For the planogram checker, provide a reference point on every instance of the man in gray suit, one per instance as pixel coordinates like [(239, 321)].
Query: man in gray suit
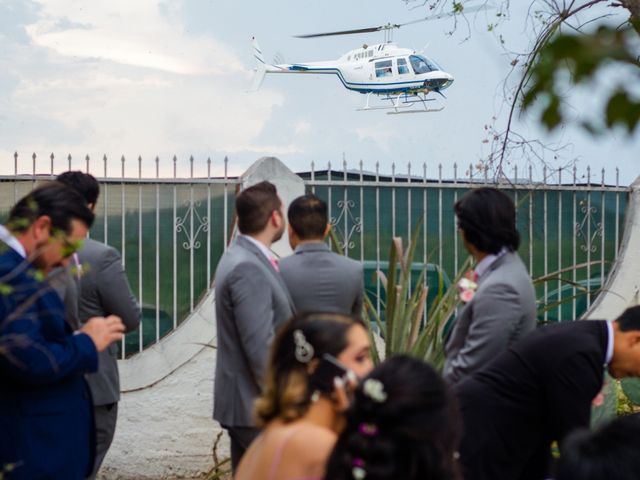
[(503, 307), (103, 289), (318, 279), (251, 302)]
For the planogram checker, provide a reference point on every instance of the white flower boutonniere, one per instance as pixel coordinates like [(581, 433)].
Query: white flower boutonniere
[(468, 286)]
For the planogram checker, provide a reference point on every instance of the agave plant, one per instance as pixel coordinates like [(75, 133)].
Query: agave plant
[(405, 328)]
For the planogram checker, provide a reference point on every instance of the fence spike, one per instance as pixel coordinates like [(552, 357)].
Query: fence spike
[(69, 161), (51, 157), (157, 166), (104, 161)]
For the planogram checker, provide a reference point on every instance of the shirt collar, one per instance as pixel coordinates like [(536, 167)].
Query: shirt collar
[(609, 356), (10, 240), (486, 262), (261, 246)]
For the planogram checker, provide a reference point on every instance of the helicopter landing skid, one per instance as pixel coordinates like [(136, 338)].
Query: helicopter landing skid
[(403, 103)]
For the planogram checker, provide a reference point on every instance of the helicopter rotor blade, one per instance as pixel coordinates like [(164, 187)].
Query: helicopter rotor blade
[(391, 26), (348, 32)]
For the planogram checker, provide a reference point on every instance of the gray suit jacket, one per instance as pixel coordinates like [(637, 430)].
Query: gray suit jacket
[(251, 303), (322, 281), (104, 290), (502, 310)]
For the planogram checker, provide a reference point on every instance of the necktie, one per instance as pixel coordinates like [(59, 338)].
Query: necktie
[(274, 262)]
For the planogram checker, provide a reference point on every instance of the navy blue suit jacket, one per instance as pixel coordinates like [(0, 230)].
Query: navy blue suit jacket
[(46, 423)]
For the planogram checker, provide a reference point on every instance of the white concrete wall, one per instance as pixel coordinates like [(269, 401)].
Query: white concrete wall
[(165, 426), (622, 289)]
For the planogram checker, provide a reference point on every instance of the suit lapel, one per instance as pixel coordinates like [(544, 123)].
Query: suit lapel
[(247, 245)]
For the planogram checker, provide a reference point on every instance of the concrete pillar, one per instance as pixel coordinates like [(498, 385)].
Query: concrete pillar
[(289, 185), (622, 289)]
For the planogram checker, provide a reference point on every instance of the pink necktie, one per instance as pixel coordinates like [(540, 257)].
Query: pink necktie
[(274, 262)]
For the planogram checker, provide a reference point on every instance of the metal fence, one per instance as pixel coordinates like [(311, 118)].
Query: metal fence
[(570, 228), (171, 231)]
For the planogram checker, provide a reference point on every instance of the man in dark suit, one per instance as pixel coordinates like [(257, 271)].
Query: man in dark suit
[(46, 424), (318, 279), (503, 308), (538, 391), (251, 302), (103, 289)]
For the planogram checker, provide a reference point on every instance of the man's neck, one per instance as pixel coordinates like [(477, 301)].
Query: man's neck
[(264, 238), (311, 240), (479, 256)]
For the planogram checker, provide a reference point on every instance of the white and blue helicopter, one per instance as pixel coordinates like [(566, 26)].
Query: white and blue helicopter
[(400, 76)]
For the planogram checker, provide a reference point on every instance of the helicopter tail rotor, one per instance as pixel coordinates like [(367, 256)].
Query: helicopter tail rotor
[(261, 66)]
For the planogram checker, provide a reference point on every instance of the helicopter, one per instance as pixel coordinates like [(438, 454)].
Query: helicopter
[(398, 75)]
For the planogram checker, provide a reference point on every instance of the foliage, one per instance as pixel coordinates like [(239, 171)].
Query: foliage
[(405, 329), (541, 68), (631, 389), (605, 404), (583, 56)]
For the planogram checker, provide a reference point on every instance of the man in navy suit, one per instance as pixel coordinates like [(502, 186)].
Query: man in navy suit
[(46, 424), (538, 391)]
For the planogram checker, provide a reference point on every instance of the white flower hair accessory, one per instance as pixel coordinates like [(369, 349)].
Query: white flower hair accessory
[(374, 389), (304, 350)]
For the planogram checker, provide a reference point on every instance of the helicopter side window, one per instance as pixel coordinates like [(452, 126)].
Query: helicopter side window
[(383, 69), (402, 66)]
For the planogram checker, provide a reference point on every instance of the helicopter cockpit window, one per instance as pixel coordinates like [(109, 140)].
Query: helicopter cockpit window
[(383, 69), (422, 64), (402, 66)]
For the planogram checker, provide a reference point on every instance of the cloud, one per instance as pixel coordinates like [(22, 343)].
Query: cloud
[(380, 135), (302, 127), (139, 34), (124, 78)]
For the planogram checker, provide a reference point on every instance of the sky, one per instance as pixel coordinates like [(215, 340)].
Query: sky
[(162, 78)]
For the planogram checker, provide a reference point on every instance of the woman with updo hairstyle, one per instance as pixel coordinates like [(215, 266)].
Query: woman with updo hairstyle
[(300, 422), (403, 424)]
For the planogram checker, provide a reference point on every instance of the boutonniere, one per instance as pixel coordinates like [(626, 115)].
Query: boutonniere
[(468, 286)]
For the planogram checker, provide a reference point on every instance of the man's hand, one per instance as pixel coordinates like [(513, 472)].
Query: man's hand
[(104, 330)]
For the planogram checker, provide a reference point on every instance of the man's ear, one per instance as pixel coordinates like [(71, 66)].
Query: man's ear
[(327, 229), (633, 338), (41, 228)]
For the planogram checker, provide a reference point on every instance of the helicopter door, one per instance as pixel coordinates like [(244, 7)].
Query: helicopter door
[(384, 69), (402, 66)]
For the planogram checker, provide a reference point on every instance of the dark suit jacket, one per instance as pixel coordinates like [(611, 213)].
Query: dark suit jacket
[(536, 392), (46, 424), (322, 281), (502, 311), (251, 303), (104, 290)]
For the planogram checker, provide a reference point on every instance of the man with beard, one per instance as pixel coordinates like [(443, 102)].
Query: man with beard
[(46, 425), (251, 303)]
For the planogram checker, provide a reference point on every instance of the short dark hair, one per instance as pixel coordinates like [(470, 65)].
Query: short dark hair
[(54, 199), (630, 319), (609, 452), (254, 206), (308, 217), (488, 218), (411, 434), (84, 183)]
